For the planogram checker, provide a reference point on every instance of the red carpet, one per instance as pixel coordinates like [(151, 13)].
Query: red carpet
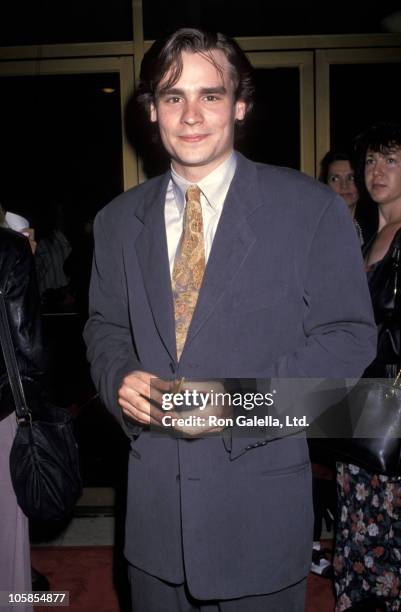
[(319, 595), (86, 572)]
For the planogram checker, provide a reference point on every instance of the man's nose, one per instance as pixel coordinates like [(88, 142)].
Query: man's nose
[(192, 113)]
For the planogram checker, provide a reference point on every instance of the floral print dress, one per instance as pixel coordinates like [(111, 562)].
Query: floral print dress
[(367, 560)]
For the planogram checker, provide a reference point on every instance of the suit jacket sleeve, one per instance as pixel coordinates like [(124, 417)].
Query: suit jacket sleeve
[(339, 329), (107, 332), (340, 332)]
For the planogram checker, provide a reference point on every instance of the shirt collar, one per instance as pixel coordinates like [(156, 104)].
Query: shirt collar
[(214, 186)]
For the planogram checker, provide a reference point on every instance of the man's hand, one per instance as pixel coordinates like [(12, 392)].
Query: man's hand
[(140, 397), (219, 409)]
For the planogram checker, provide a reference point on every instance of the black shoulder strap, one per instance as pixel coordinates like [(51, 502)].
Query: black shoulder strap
[(396, 243), (396, 259), (21, 409)]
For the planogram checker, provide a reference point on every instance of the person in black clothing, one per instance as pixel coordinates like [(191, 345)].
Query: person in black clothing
[(368, 544), (18, 283)]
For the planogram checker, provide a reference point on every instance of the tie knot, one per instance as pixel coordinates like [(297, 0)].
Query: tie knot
[(192, 194)]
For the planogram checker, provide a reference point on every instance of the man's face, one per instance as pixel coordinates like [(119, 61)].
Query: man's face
[(196, 116), (341, 179), (383, 175)]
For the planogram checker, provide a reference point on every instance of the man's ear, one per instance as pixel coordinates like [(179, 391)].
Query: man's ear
[(153, 112), (240, 110)]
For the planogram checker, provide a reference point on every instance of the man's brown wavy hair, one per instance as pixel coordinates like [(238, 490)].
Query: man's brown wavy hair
[(166, 55)]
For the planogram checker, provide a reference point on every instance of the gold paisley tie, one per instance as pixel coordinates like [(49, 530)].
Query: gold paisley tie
[(189, 266)]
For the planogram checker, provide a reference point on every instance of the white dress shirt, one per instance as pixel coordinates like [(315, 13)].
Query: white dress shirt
[(214, 188)]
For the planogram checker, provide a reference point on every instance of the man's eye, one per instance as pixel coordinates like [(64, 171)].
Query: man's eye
[(391, 160), (369, 161), (351, 178), (333, 179), (173, 100), (211, 98)]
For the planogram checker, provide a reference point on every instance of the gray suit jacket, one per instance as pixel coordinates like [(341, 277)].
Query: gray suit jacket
[(284, 295)]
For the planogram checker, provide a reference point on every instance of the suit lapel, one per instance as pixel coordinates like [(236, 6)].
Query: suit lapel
[(233, 240), (152, 253)]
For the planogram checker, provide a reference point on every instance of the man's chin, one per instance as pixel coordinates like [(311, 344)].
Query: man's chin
[(192, 160)]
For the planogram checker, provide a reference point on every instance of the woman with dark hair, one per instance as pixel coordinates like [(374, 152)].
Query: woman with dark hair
[(367, 558), (18, 283), (337, 171)]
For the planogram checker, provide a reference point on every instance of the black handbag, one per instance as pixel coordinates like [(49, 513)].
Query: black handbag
[(372, 408), (44, 462)]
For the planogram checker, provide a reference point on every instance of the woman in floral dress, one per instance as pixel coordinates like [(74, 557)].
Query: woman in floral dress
[(367, 560)]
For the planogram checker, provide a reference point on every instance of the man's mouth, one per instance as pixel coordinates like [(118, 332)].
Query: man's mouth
[(193, 137)]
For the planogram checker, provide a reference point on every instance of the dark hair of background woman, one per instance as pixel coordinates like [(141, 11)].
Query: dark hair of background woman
[(366, 211), (379, 137)]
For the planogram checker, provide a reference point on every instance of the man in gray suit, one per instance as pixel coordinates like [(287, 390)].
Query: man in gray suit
[(221, 268)]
